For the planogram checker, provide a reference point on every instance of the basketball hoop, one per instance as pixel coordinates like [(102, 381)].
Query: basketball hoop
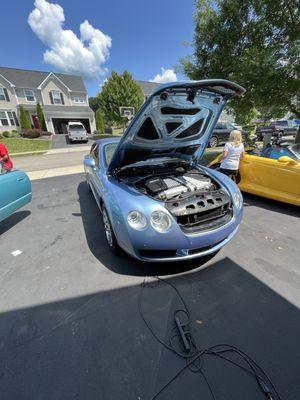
[(127, 112)]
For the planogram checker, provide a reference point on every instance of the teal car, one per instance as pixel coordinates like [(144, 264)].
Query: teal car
[(15, 192)]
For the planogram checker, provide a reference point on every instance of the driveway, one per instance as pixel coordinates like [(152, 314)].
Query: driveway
[(62, 141), (69, 321)]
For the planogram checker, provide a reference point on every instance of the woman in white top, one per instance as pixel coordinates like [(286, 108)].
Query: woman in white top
[(233, 151)]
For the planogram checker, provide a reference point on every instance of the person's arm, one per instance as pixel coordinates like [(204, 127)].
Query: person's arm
[(3, 154), (225, 151)]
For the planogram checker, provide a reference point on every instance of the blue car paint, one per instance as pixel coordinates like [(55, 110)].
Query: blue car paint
[(15, 192), (119, 199)]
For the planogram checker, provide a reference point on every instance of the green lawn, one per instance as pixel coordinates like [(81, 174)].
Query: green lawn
[(16, 145), (210, 154)]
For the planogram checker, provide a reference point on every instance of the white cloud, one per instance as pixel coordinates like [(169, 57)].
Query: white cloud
[(167, 75), (84, 55)]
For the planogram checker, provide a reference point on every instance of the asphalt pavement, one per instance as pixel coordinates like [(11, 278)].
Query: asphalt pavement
[(69, 321)]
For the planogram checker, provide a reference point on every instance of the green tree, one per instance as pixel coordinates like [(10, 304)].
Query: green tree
[(94, 103), (41, 118), (255, 43), (119, 90), (24, 121), (100, 125)]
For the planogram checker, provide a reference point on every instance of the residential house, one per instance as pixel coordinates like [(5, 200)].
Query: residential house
[(63, 98)]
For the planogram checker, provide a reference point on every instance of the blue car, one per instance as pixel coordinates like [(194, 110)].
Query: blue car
[(15, 192), (157, 202)]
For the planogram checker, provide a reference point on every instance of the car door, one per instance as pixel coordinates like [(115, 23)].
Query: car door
[(15, 192), (269, 177)]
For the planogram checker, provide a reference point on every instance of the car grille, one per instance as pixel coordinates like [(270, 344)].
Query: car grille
[(202, 212)]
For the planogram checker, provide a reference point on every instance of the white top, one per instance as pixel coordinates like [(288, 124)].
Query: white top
[(232, 160)]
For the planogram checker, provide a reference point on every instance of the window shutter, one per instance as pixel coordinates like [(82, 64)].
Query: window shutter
[(15, 118), (51, 98), (62, 98), (6, 94)]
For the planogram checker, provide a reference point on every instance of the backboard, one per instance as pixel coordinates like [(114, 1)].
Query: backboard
[(127, 112)]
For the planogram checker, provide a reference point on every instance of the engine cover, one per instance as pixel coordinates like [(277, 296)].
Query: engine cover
[(171, 186)]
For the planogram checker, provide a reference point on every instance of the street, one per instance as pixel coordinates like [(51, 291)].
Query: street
[(70, 326)]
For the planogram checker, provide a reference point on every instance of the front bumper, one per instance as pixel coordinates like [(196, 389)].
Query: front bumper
[(201, 253)]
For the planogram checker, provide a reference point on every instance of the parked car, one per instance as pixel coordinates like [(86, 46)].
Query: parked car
[(157, 202), (278, 129), (273, 172), (221, 133), (77, 132), (15, 192)]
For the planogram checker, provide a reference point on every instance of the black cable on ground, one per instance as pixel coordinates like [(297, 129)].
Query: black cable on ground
[(182, 343)]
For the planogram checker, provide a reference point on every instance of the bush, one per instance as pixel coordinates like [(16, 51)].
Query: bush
[(31, 133), (6, 134)]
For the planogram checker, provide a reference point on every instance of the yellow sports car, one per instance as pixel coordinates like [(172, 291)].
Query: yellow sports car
[(273, 172)]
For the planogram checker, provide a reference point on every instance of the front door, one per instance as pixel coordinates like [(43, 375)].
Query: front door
[(269, 177), (35, 122)]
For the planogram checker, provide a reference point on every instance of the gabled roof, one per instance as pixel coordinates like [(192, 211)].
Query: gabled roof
[(147, 87), (32, 79)]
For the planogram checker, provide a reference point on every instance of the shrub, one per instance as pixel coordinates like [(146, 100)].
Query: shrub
[(31, 133), (41, 117), (6, 134), (99, 121), (24, 121)]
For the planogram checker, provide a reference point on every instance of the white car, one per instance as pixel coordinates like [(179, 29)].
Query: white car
[(77, 132)]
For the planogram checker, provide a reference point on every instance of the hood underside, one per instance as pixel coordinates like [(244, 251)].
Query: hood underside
[(175, 121)]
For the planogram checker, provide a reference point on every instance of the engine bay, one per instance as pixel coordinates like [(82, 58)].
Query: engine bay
[(195, 200)]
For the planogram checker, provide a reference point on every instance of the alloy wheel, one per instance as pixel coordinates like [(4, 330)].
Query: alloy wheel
[(107, 228)]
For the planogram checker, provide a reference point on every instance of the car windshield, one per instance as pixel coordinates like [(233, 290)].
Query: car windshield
[(274, 152), (109, 150), (296, 150), (77, 126)]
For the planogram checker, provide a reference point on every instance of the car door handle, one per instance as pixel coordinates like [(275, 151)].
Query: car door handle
[(21, 179)]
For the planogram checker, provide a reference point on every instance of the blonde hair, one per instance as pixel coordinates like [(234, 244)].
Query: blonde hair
[(235, 137)]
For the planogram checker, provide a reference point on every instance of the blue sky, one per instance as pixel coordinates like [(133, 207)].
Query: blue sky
[(139, 35)]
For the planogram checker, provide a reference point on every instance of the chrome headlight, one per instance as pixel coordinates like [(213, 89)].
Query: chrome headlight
[(137, 220), (237, 199), (161, 221)]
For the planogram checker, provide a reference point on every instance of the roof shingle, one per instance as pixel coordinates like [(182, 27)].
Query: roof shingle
[(32, 79)]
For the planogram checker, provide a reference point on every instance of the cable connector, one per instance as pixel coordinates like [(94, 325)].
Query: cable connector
[(265, 388)]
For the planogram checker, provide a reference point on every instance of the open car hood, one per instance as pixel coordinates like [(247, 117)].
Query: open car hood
[(175, 121)]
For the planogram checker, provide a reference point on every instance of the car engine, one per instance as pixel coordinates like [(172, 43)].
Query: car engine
[(195, 200), (171, 186)]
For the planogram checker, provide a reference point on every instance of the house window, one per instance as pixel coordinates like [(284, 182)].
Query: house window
[(3, 118), (2, 95), (56, 97), (29, 95), (79, 100), (8, 118), (11, 118)]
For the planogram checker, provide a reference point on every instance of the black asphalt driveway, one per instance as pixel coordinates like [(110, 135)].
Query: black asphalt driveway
[(69, 321)]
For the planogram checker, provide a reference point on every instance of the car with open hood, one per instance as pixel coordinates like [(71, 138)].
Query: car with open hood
[(157, 202)]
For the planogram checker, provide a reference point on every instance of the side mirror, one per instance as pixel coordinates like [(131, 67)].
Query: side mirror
[(89, 162), (287, 160)]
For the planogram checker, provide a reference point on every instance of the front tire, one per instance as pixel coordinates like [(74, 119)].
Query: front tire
[(109, 233), (213, 141)]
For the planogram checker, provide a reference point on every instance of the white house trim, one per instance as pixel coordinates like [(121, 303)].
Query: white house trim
[(52, 74), (11, 84)]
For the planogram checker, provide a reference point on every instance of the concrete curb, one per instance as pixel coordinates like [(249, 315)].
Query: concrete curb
[(50, 173), (53, 151)]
